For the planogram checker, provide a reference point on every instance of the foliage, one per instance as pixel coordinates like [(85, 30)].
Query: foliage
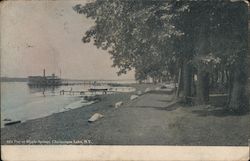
[(157, 38), (136, 33)]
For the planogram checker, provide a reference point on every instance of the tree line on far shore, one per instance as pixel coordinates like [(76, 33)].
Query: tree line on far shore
[(202, 45)]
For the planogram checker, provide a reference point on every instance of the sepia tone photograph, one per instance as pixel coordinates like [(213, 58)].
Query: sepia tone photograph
[(125, 72)]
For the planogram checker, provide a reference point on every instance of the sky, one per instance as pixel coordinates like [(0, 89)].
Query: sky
[(47, 34)]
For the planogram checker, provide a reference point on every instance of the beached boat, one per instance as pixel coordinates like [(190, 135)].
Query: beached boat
[(12, 123)]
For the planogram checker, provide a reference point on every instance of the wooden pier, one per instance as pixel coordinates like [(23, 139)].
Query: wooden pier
[(70, 92), (92, 90), (104, 91)]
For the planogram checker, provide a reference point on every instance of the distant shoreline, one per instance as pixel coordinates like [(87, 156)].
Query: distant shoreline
[(13, 79), (24, 79)]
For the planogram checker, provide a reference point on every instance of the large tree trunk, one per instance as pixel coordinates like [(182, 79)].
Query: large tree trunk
[(202, 87), (187, 82), (238, 99), (203, 47)]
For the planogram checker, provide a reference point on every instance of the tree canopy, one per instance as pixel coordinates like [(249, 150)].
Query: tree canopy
[(135, 33), (160, 38)]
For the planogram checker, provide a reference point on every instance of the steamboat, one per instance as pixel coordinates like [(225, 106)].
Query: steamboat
[(44, 80)]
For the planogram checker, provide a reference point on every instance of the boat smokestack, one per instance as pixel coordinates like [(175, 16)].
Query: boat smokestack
[(43, 72)]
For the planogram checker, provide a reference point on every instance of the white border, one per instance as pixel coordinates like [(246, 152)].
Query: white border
[(129, 153)]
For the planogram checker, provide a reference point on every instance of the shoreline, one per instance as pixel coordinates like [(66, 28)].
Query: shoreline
[(105, 105), (75, 102), (147, 120)]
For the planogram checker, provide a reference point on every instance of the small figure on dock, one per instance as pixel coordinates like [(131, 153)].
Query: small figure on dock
[(43, 92), (71, 89)]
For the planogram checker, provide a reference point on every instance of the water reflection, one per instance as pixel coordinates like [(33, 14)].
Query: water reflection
[(20, 102), (43, 89)]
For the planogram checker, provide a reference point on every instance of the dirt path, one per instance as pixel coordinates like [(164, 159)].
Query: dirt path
[(147, 121)]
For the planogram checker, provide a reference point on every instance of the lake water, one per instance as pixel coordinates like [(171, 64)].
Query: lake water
[(20, 102)]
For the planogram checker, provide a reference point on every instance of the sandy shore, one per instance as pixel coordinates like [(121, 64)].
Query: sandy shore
[(65, 125), (147, 120)]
